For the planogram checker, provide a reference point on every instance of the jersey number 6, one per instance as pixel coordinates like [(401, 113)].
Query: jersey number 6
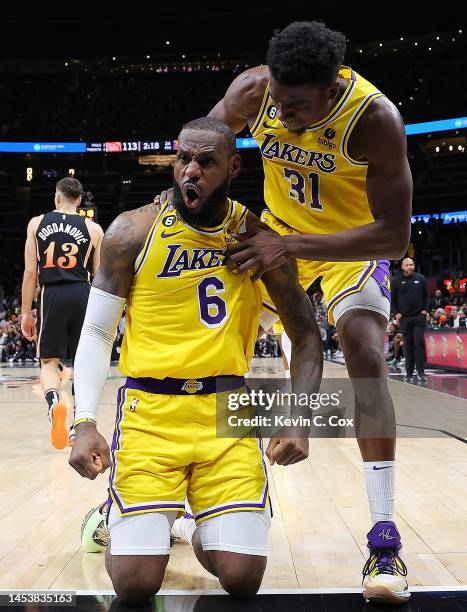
[(212, 308)]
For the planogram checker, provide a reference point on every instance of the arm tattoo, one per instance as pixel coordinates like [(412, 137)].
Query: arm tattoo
[(119, 250)]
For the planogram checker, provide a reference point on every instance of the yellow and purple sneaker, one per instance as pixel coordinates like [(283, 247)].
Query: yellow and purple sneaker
[(385, 574)]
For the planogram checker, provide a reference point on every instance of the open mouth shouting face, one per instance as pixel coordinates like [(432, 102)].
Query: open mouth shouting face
[(192, 194), (205, 164)]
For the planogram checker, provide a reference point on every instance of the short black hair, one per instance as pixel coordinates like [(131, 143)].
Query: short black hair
[(71, 188), (214, 125), (306, 52)]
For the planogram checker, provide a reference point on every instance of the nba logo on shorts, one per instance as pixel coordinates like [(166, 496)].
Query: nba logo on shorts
[(133, 404), (192, 386)]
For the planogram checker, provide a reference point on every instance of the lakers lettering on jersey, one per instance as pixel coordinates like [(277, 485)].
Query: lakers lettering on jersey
[(187, 315), (311, 181), (64, 248)]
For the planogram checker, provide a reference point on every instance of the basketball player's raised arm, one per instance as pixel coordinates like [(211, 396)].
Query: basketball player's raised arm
[(242, 100), (120, 247), (28, 325)]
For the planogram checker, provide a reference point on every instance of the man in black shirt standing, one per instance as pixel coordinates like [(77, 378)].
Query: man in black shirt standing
[(61, 253), (410, 301)]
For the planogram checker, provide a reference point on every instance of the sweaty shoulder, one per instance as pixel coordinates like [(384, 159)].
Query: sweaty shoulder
[(128, 231), (120, 247), (380, 124), (252, 83), (242, 100), (382, 112)]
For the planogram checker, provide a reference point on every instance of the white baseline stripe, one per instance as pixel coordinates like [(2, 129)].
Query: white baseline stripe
[(318, 591)]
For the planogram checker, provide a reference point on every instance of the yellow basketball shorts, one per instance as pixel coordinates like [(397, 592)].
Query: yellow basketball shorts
[(339, 278), (165, 449)]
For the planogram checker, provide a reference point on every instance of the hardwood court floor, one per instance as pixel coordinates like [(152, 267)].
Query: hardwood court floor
[(320, 508)]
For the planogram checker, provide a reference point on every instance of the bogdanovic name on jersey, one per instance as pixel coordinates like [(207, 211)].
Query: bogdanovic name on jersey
[(55, 228), (272, 148), (180, 260)]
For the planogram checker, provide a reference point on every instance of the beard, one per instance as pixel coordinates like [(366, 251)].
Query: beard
[(212, 212)]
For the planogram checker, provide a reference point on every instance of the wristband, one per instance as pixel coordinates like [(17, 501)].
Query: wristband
[(75, 423)]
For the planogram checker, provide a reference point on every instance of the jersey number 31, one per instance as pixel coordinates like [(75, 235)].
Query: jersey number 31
[(297, 189)]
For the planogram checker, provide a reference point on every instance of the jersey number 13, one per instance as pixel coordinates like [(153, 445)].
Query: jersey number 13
[(65, 261)]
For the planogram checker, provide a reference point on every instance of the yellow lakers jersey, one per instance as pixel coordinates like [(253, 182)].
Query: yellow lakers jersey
[(187, 316), (311, 181)]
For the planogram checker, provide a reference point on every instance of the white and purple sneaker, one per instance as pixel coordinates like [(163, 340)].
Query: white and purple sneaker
[(385, 574)]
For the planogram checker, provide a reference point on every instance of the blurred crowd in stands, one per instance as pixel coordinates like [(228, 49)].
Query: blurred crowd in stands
[(132, 97), (447, 310), (439, 246), (105, 107), (14, 347)]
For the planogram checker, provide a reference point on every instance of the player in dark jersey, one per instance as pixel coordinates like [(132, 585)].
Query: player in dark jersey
[(61, 254)]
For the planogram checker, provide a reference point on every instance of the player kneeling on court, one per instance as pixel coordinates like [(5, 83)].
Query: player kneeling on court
[(190, 334)]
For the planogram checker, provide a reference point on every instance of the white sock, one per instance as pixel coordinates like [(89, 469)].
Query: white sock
[(50, 411), (52, 397), (379, 476), (184, 529)]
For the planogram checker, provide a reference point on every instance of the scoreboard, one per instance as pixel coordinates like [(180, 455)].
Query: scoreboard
[(115, 146), (138, 146)]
